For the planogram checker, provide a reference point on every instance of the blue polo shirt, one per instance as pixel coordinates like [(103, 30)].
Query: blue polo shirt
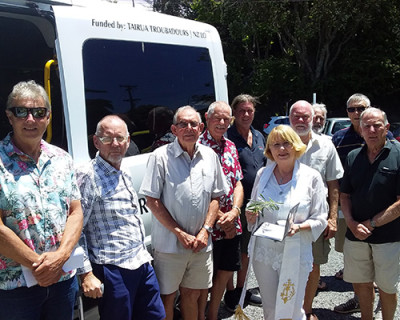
[(251, 158), (373, 187)]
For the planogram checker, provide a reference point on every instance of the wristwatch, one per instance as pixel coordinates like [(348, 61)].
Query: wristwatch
[(208, 228), (372, 223)]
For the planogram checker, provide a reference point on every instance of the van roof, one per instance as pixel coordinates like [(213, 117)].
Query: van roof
[(143, 4)]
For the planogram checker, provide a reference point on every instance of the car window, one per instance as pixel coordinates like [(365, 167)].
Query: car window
[(339, 125)]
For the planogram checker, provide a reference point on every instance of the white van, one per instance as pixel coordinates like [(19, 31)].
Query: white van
[(108, 58)]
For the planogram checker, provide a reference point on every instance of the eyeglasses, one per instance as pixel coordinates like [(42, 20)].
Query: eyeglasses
[(183, 124), (110, 140), (353, 109), (22, 112), (285, 144)]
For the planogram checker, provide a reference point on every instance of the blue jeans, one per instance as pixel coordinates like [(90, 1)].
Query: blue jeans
[(40, 303)]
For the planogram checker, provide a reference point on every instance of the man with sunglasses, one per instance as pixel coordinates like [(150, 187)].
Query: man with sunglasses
[(113, 232), (40, 214), (182, 185), (346, 140)]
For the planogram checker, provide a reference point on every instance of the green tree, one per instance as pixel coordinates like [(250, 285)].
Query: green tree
[(283, 50)]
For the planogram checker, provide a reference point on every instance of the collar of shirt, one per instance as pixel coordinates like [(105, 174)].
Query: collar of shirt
[(212, 142), (314, 140), (387, 146), (178, 151), (13, 151), (104, 166)]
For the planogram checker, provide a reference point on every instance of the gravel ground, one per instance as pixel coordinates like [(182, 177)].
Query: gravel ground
[(337, 293)]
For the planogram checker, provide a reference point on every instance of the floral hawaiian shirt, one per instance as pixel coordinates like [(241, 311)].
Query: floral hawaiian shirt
[(229, 158), (35, 200)]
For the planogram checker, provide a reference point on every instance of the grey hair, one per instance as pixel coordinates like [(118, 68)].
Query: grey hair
[(28, 90), (358, 97), (320, 106), (215, 104), (244, 98), (372, 110), (110, 117), (181, 109)]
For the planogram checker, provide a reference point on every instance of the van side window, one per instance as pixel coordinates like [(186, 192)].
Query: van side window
[(132, 78)]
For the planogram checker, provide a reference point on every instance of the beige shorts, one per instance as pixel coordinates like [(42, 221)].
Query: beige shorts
[(320, 250), (340, 234), (367, 262), (187, 270)]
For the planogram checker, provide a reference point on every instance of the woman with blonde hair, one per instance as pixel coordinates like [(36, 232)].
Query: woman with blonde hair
[(282, 267)]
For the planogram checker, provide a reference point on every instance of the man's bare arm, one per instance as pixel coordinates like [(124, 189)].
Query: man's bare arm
[(333, 198), (386, 216), (202, 237), (359, 230), (164, 217), (227, 220)]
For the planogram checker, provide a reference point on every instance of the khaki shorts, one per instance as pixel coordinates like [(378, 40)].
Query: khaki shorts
[(340, 234), (366, 262), (188, 270), (320, 250)]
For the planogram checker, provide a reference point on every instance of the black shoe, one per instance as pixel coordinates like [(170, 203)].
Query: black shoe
[(231, 299), (253, 297)]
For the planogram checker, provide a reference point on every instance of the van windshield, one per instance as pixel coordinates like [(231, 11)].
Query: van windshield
[(132, 78)]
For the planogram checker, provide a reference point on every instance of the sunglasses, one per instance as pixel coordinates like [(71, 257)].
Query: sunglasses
[(22, 112), (353, 109)]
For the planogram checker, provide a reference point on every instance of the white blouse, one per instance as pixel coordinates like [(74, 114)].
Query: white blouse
[(306, 188)]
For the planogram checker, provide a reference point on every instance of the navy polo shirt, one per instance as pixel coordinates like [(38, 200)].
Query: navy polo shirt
[(251, 158), (373, 187)]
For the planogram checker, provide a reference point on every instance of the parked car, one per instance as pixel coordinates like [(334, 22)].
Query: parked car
[(275, 121), (395, 128), (333, 125)]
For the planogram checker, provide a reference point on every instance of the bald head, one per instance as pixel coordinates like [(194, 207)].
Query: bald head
[(301, 117)]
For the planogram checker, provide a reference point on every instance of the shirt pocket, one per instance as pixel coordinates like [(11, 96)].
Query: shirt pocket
[(386, 176)]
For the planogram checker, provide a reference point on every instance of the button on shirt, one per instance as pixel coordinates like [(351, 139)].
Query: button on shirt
[(113, 231), (229, 159), (35, 199), (321, 155), (186, 187)]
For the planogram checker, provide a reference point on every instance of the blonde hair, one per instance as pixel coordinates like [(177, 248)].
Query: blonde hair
[(285, 133)]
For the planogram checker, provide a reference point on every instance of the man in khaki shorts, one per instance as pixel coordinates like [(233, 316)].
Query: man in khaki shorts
[(182, 185), (322, 156), (370, 200)]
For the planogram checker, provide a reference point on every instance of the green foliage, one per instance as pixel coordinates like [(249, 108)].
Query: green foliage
[(284, 50), (259, 205)]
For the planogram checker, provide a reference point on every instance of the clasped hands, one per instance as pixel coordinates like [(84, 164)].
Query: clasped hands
[(47, 269)]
